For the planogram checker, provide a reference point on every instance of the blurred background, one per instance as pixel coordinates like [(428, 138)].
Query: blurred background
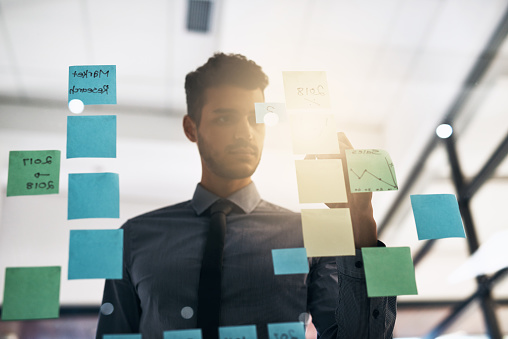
[(396, 70)]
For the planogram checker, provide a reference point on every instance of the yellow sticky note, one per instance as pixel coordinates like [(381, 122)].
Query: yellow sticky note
[(306, 90), (328, 232), (314, 134), (320, 180)]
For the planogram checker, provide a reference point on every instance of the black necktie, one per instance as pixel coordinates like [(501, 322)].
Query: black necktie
[(209, 292)]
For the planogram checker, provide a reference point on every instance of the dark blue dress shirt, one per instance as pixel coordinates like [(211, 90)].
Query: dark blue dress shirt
[(162, 258)]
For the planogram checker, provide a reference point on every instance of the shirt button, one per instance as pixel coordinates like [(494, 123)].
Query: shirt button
[(359, 264), (375, 314)]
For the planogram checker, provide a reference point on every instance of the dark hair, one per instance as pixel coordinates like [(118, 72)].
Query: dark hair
[(221, 69)]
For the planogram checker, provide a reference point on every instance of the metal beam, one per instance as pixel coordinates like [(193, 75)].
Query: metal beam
[(488, 169), (477, 72), (459, 308)]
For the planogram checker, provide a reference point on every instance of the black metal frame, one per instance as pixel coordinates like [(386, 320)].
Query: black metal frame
[(465, 190)]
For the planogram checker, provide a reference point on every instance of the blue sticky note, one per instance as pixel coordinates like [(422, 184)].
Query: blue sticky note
[(290, 261), (437, 216), (91, 136), (95, 84), (238, 332), (96, 254), (121, 336), (93, 195), (183, 334), (286, 330)]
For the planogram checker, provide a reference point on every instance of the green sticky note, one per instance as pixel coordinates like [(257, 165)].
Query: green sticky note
[(286, 330), (290, 261), (389, 271), (93, 195), (238, 332), (370, 170), (31, 293), (183, 334), (91, 136), (437, 216), (122, 336), (96, 254), (33, 172), (95, 84)]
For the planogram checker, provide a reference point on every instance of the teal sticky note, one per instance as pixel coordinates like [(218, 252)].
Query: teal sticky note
[(94, 84), (121, 336), (95, 254), (370, 170), (238, 332), (31, 293), (93, 195), (286, 330), (33, 172), (389, 271), (437, 216), (183, 334), (91, 136), (290, 261), (276, 112)]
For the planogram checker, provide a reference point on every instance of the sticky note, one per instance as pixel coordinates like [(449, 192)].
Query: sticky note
[(320, 180), (91, 136), (95, 254), (93, 85), (238, 332), (31, 293), (274, 110), (33, 173), (290, 261), (93, 195), (306, 90), (314, 134), (183, 334), (370, 170), (328, 232), (286, 330), (122, 336), (389, 271), (437, 216)]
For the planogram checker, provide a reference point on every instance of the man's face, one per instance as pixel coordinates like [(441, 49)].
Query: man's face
[(229, 140)]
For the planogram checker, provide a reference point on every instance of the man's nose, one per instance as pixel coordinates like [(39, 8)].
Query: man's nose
[(243, 129)]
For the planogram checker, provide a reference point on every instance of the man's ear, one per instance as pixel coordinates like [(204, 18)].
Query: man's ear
[(190, 129)]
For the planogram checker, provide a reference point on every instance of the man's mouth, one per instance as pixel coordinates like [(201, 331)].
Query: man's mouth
[(243, 150)]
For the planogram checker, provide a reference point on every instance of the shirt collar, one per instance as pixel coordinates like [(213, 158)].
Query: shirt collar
[(246, 198)]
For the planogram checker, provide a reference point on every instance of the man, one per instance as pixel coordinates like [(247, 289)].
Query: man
[(164, 249)]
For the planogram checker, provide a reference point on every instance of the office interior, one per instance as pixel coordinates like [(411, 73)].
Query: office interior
[(396, 69)]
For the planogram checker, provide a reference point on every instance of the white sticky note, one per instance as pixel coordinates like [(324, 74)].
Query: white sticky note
[(320, 180), (269, 110), (314, 134), (306, 90), (328, 232)]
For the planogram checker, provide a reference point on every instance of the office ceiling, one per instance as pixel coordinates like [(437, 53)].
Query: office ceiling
[(393, 66)]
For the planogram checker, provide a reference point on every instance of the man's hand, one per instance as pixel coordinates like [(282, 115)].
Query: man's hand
[(362, 214)]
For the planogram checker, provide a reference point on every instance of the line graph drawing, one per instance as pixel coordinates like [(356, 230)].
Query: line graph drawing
[(370, 170)]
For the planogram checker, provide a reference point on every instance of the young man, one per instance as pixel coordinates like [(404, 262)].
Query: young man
[(164, 249)]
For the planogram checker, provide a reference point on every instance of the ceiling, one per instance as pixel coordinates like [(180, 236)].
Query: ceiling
[(393, 66)]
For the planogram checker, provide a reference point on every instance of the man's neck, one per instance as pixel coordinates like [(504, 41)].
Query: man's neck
[(223, 187)]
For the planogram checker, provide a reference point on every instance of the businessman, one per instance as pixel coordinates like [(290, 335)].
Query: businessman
[(207, 262)]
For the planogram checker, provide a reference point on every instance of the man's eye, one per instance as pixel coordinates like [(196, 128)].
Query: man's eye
[(223, 119)]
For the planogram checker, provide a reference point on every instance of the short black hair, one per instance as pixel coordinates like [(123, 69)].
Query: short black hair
[(221, 69)]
